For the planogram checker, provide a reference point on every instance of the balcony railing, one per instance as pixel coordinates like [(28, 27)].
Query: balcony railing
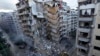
[(88, 27), (23, 13), (85, 19), (82, 47), (82, 53), (84, 30), (87, 6), (84, 39), (81, 0)]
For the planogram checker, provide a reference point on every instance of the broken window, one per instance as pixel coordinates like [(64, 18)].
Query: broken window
[(97, 37), (92, 11), (97, 48), (80, 12), (98, 0), (98, 26)]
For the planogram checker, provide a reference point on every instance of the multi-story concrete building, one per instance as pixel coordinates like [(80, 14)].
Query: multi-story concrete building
[(25, 17), (74, 18), (88, 33), (52, 16), (73, 22), (7, 23), (64, 19)]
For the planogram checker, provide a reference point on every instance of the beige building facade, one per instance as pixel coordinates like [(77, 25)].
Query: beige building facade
[(88, 33)]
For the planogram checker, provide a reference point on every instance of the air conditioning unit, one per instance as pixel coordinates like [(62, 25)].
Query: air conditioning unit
[(92, 26)]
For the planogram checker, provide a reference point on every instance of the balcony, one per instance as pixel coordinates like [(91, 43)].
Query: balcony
[(63, 29), (89, 6), (84, 39), (53, 21), (54, 30), (82, 47), (84, 30), (22, 6), (23, 13), (51, 8), (81, 0), (52, 16), (53, 26), (55, 35), (81, 53), (86, 19)]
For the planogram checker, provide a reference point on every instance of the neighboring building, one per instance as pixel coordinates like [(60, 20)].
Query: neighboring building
[(10, 24), (88, 32), (64, 11), (74, 20), (7, 23), (70, 21)]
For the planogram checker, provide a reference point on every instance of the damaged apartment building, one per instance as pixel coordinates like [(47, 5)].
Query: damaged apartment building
[(88, 33), (45, 21), (46, 14)]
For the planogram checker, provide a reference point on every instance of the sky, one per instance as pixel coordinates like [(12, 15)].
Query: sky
[(9, 5)]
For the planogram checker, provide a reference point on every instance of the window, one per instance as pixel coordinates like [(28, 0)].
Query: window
[(98, 0), (80, 12), (97, 37), (97, 48), (92, 11), (89, 1), (98, 26)]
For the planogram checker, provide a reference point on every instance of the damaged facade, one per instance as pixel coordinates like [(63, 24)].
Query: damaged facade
[(88, 32), (46, 22)]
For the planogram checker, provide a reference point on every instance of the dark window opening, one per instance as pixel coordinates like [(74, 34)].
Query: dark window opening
[(98, 0), (85, 34), (86, 14), (97, 48), (98, 26), (68, 11), (86, 24), (83, 51), (97, 37), (80, 12), (89, 1), (92, 11), (83, 43)]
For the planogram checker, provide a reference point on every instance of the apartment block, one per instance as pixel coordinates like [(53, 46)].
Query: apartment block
[(25, 17), (52, 16), (74, 18), (7, 23), (73, 22), (64, 11), (88, 32)]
